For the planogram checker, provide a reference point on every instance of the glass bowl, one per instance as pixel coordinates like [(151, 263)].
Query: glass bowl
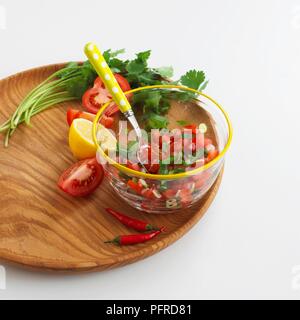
[(180, 188)]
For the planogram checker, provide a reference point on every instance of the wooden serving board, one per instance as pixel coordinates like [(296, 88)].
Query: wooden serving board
[(42, 227)]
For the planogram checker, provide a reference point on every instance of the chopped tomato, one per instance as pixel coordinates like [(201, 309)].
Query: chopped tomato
[(207, 142), (152, 168), (200, 179), (201, 176), (135, 186), (74, 114), (148, 193), (133, 166), (95, 97), (192, 127), (199, 183), (211, 155), (169, 194), (199, 163), (82, 178), (185, 197)]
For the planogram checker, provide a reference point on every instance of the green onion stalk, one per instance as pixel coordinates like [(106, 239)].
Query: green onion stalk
[(52, 91)]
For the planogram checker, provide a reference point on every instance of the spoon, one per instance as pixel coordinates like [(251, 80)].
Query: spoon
[(100, 65)]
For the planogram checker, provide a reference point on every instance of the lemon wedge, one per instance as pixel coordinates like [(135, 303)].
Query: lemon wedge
[(81, 142), (106, 139)]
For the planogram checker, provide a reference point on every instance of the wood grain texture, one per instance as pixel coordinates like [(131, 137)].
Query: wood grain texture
[(40, 226)]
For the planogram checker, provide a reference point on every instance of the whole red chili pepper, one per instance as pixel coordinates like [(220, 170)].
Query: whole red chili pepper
[(126, 240), (132, 223)]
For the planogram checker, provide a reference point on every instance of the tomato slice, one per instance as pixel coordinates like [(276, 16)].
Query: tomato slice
[(95, 97), (74, 114), (82, 178)]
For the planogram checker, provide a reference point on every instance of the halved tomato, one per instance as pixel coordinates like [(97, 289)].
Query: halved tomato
[(74, 114), (82, 178), (95, 97)]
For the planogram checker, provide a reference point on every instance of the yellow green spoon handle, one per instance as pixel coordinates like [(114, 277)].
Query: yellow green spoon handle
[(98, 62)]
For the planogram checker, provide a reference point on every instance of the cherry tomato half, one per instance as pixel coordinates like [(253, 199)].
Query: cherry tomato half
[(82, 178), (73, 114), (95, 97)]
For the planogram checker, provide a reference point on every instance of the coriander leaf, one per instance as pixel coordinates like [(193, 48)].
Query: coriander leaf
[(163, 184), (156, 121), (139, 97), (179, 170), (146, 77), (117, 52), (77, 87), (117, 65), (164, 105), (136, 66), (144, 55), (163, 169), (108, 54), (179, 95), (84, 79), (151, 103), (193, 79), (166, 72)]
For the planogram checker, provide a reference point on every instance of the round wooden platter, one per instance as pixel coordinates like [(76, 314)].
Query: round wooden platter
[(40, 226)]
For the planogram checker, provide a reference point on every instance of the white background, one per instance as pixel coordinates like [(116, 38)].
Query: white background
[(249, 241)]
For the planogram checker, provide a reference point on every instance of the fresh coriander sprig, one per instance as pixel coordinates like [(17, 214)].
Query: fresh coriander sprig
[(71, 82)]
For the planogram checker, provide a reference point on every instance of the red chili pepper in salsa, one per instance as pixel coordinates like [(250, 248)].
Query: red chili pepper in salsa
[(132, 223), (126, 240)]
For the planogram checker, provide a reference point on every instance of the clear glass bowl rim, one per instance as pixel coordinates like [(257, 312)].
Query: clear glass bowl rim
[(166, 176)]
